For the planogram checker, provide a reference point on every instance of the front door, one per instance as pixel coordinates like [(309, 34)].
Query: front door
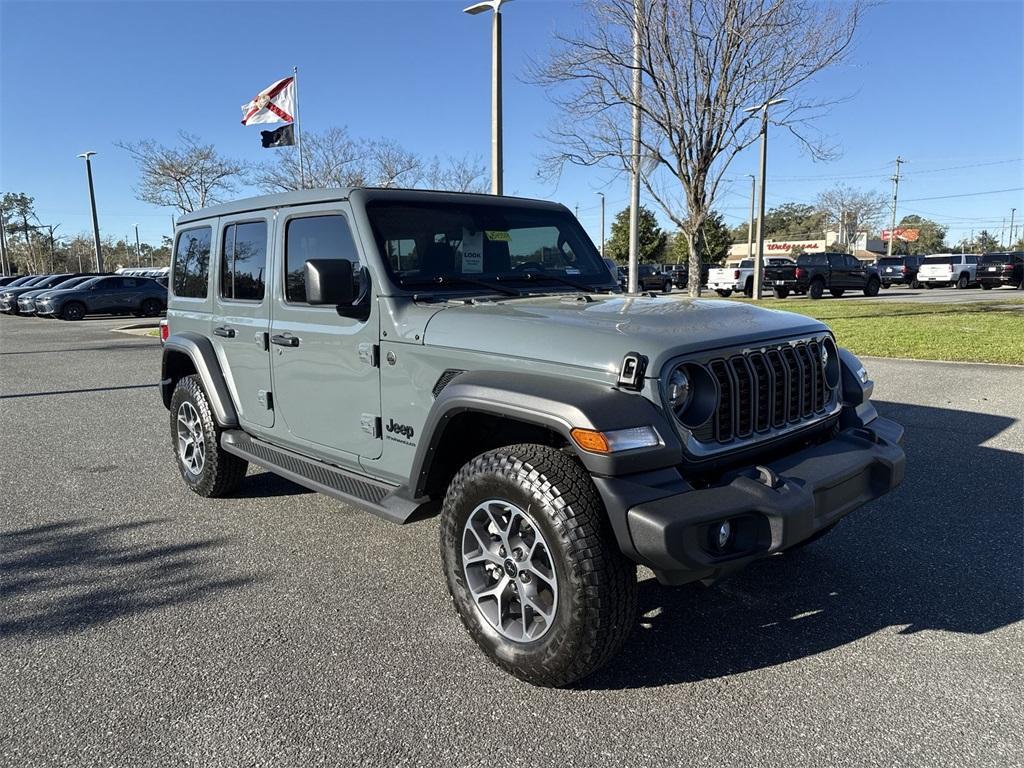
[(104, 294), (326, 383), (241, 315)]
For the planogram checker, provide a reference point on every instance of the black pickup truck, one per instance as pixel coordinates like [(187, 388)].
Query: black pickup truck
[(814, 273)]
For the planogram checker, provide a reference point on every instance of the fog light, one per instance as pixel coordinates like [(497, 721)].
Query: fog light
[(723, 534)]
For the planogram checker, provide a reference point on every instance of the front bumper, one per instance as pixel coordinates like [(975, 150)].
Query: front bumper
[(770, 507), (25, 308)]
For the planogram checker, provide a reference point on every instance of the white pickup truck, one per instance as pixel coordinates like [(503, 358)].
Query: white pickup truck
[(725, 280)]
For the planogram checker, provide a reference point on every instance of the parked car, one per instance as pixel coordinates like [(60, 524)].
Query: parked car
[(110, 295), (814, 273), (725, 280), (29, 302), (680, 275), (946, 269), (996, 269), (564, 432), (649, 277), (9, 297), (10, 279), (899, 270)]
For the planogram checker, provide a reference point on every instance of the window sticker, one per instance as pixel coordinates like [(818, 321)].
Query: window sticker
[(496, 235), (472, 250), (571, 271)]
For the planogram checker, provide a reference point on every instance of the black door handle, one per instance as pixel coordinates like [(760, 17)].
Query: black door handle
[(284, 340), (227, 333)]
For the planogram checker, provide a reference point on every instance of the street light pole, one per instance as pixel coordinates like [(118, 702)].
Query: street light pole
[(497, 169), (5, 261), (1013, 214), (601, 195), (138, 247), (759, 261), (634, 182), (750, 225), (92, 202)]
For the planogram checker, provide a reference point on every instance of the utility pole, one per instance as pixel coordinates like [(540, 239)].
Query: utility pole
[(92, 202), (634, 182), (759, 261), (577, 211), (601, 195), (750, 225), (895, 193), (138, 247), (1013, 215), (1002, 232)]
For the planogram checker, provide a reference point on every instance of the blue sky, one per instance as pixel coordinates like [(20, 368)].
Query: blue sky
[(940, 83)]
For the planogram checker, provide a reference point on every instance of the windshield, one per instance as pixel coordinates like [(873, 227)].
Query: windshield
[(87, 283), (463, 245), (70, 283)]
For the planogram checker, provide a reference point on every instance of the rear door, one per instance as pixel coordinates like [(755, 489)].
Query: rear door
[(324, 366), (241, 314), (103, 296)]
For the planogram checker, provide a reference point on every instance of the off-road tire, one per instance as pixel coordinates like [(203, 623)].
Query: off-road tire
[(816, 289), (73, 310), (222, 472), (780, 293), (724, 294), (837, 292), (597, 588), (871, 289)]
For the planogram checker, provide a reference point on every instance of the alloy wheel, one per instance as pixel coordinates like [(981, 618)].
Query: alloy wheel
[(509, 570), (191, 441)]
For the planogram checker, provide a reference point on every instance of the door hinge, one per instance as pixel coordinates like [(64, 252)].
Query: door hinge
[(265, 398), (369, 354), (370, 422)]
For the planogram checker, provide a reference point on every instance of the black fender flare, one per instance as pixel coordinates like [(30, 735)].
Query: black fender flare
[(199, 350), (555, 403)]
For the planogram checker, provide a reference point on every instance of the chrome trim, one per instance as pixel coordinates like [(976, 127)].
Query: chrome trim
[(703, 450)]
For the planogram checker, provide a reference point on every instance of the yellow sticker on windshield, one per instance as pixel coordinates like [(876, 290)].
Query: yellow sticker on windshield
[(499, 235)]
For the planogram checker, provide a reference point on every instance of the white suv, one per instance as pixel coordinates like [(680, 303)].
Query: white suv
[(946, 269)]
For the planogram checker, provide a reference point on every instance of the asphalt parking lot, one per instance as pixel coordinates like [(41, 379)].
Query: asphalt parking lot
[(142, 625)]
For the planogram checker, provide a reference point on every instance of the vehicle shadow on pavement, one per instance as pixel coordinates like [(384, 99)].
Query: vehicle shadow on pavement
[(71, 575), (266, 485), (941, 552)]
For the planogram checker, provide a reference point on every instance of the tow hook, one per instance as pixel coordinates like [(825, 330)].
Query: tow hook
[(768, 476)]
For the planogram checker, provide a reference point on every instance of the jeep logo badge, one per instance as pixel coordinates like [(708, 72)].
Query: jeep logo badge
[(400, 429)]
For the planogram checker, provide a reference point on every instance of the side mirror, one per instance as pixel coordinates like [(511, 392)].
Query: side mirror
[(329, 281)]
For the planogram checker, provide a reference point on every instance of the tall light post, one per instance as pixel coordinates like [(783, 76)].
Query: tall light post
[(750, 225), (634, 181), (138, 247), (496, 147), (601, 195), (92, 202), (759, 261)]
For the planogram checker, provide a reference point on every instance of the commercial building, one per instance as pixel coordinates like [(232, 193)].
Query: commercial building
[(865, 248)]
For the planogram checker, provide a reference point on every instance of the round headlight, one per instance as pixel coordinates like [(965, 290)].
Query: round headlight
[(678, 390), (830, 362)]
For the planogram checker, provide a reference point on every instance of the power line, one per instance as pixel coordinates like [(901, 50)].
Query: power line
[(965, 194)]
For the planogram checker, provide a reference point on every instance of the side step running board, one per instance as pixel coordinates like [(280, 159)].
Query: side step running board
[(387, 501)]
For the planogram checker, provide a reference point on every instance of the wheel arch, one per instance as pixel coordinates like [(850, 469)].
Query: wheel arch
[(480, 411), (187, 354)]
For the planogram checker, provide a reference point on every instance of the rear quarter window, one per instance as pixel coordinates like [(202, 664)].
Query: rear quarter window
[(192, 263)]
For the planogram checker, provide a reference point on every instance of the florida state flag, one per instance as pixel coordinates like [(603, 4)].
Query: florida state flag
[(275, 104)]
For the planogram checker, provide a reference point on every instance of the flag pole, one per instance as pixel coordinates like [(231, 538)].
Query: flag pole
[(298, 129)]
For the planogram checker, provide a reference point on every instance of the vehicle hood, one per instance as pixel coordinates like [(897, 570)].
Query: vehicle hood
[(13, 293), (598, 333)]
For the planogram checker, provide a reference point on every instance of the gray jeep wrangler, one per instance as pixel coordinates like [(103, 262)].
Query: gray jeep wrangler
[(415, 352)]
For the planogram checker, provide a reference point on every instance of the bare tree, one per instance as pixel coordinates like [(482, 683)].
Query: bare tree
[(852, 210), (702, 62), (18, 209), (332, 159), (188, 176), (391, 165), (457, 174)]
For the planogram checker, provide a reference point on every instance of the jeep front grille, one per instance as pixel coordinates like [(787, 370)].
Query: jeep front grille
[(763, 391)]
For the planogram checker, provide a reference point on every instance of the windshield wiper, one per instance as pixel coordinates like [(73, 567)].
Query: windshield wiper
[(535, 275), (453, 281)]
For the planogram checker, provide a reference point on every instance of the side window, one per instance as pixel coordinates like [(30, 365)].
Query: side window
[(243, 261), (192, 263), (972, 259), (129, 282), (853, 262), (315, 237), (109, 284)]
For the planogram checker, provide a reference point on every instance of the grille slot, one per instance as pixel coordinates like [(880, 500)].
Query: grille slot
[(762, 390)]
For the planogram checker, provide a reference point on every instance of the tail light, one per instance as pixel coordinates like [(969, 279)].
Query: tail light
[(735, 274), (903, 269), (800, 272), (164, 331), (1007, 267)]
